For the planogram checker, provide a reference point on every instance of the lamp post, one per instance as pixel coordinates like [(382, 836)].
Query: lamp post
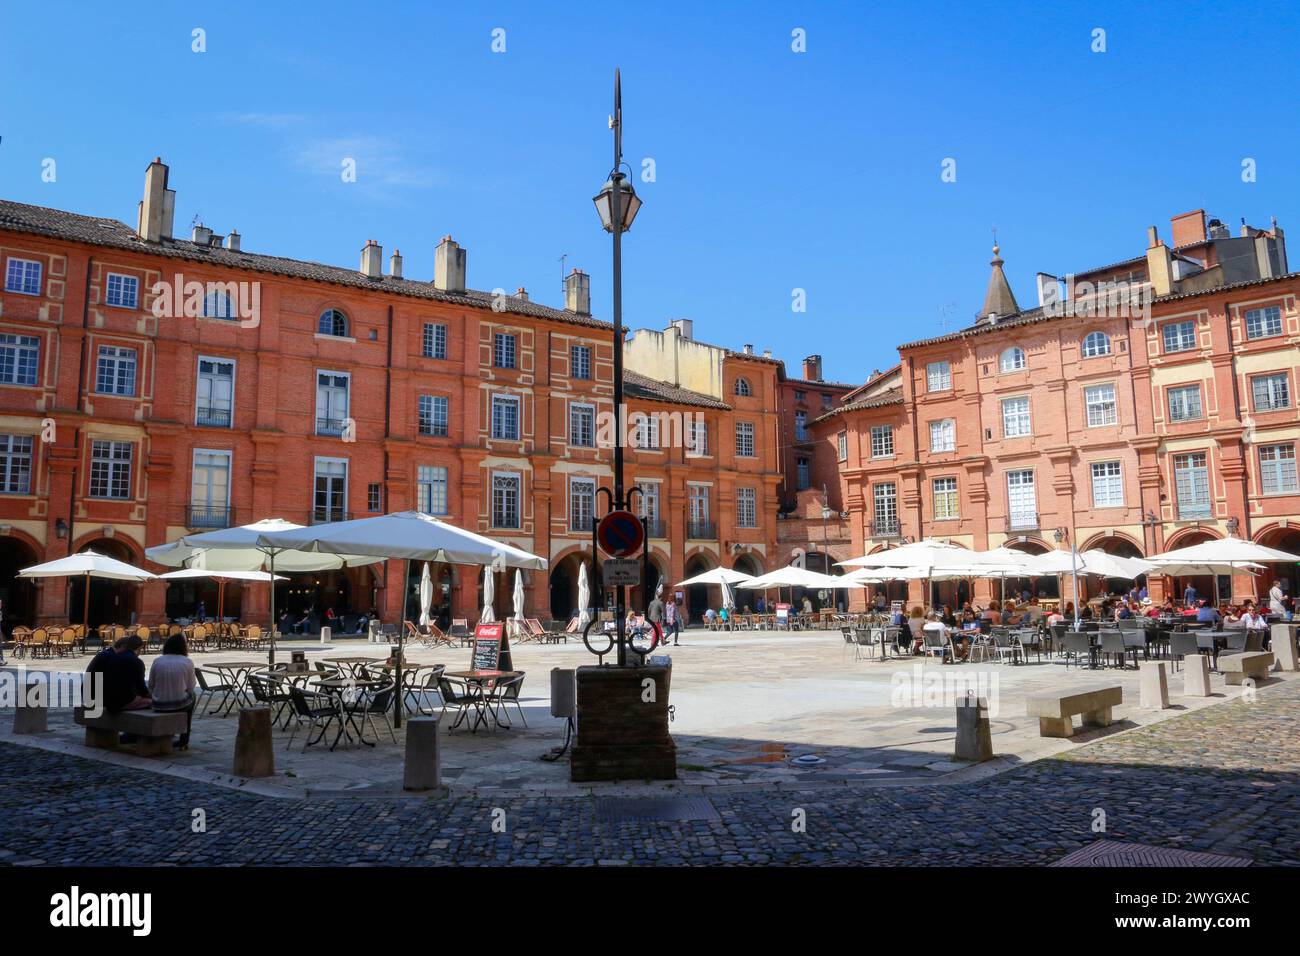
[(617, 203), (1059, 535)]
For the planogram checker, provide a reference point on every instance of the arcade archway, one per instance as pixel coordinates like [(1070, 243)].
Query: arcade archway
[(111, 602), (697, 595), (17, 595), (1284, 539), (1208, 587)]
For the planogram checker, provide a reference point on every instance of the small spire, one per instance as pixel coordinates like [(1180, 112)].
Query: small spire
[(999, 300)]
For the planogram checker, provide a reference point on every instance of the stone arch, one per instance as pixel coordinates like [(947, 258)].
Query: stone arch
[(18, 551)]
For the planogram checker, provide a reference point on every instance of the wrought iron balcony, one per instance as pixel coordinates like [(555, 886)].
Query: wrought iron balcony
[(1023, 522), (330, 426), (328, 515), (655, 528), (701, 530), (885, 528), (208, 516), (212, 416)]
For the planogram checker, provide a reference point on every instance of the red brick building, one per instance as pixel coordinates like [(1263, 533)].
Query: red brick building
[(1140, 407), (153, 385)]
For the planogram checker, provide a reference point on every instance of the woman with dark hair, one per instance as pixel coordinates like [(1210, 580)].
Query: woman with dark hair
[(171, 683)]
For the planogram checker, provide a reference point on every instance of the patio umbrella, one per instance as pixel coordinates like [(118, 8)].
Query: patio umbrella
[(412, 536), (584, 596), (87, 565), (222, 578), (426, 595), (728, 600), (934, 558), (489, 596), (717, 576), (247, 548), (519, 601), (1095, 562), (1221, 556)]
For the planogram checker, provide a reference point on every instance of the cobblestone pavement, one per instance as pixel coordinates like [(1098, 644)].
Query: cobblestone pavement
[(1225, 779)]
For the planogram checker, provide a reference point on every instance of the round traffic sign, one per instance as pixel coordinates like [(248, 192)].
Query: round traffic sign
[(620, 534)]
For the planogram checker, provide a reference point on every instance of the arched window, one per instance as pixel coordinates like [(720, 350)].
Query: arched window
[(742, 387), (333, 322), (1013, 359), (1096, 343), (218, 305)]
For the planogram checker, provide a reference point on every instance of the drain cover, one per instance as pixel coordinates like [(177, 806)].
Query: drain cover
[(1114, 853), (808, 760), (629, 809)]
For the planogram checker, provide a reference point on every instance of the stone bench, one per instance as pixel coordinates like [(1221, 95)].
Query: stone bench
[(1055, 712), (153, 729), (1237, 667)]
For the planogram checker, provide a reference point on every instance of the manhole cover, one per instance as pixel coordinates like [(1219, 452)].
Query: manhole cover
[(808, 760), (629, 809), (1114, 853)]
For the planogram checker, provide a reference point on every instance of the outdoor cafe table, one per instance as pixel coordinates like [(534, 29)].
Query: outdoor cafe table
[(478, 681), (344, 690), (353, 664), (235, 674)]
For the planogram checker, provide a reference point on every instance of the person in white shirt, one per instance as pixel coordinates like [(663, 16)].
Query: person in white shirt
[(171, 684), (1275, 598), (1253, 618)]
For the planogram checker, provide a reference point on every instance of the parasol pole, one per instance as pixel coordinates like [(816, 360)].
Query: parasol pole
[(270, 651), (85, 604)]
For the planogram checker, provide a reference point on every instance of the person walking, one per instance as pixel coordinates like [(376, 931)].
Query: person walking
[(655, 615), (672, 621)]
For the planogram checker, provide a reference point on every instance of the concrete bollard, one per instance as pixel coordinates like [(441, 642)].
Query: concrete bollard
[(423, 769), (31, 716), (254, 755), (1196, 675), (326, 634), (1283, 639), (974, 739), (1155, 685)]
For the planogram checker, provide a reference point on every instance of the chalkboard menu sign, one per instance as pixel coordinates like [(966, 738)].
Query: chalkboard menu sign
[(491, 648)]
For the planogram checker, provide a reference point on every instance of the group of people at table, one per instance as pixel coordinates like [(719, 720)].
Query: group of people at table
[(963, 624)]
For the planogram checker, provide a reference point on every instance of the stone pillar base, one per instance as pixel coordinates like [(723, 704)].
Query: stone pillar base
[(974, 739), (31, 720), (1155, 686), (423, 764), (1196, 675), (1283, 641), (622, 716), (254, 754)]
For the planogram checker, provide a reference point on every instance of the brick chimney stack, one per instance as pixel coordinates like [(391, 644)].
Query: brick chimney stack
[(158, 208), (577, 292), (449, 266), (812, 368)]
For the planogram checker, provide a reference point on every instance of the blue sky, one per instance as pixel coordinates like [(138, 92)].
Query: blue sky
[(775, 170)]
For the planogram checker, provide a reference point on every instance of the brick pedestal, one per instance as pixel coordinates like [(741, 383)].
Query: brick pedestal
[(621, 736)]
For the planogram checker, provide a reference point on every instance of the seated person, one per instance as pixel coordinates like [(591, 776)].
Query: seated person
[(710, 617), (994, 613), (171, 684), (121, 684), (1206, 614), (1033, 612)]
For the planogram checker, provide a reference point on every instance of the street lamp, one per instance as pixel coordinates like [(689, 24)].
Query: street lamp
[(617, 204), (1059, 535)]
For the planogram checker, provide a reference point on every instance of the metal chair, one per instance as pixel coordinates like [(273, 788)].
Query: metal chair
[(506, 691), (318, 710), (1182, 645), (1075, 645)]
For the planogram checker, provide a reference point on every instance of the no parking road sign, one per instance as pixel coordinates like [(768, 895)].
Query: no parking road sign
[(620, 534)]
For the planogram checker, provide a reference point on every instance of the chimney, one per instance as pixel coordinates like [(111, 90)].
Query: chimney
[(232, 241), (1188, 228), (685, 327), (1218, 230), (749, 350), (449, 266), (767, 353), (154, 221), (1263, 259), (521, 293), (1160, 264), (577, 292), (201, 235), (812, 368), (1049, 290), (395, 264), (372, 260)]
